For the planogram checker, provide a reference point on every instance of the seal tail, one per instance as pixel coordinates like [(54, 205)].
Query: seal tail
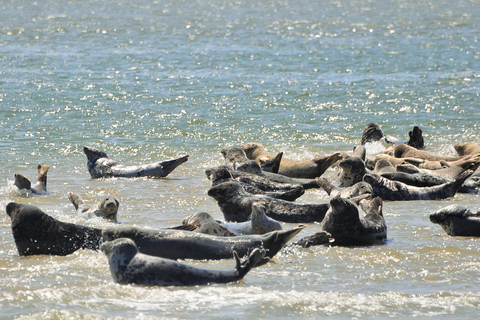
[(325, 185), (326, 162), (458, 183), (256, 256), (272, 165), (278, 239), (75, 199), (170, 165), (22, 182)]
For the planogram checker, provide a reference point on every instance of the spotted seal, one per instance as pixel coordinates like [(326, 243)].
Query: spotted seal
[(106, 208), (236, 205), (396, 191), (40, 187), (35, 232), (306, 169), (179, 244), (100, 166), (129, 266), (457, 220)]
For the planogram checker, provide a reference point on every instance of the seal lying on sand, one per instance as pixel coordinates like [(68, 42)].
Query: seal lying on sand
[(204, 223), (307, 169), (100, 166), (35, 232), (406, 151), (457, 220), (348, 227), (107, 208), (40, 187), (223, 174), (128, 265), (466, 148), (177, 244), (394, 190), (236, 205)]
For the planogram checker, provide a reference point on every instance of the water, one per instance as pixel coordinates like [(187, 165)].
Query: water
[(151, 80)]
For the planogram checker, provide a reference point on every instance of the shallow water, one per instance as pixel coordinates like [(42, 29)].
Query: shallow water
[(151, 80)]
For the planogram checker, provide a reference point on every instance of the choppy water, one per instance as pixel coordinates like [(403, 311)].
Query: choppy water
[(151, 80)]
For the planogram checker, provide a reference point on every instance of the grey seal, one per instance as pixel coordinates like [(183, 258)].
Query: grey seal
[(353, 170), (178, 244), (457, 220), (129, 266), (40, 187), (35, 232), (348, 227), (100, 166), (236, 205), (287, 192), (306, 169), (397, 191), (107, 208), (359, 188)]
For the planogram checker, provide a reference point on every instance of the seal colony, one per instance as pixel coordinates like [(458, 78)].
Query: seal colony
[(256, 193)]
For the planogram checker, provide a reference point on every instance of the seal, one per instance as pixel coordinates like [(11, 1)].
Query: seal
[(416, 138), (373, 133), (203, 222), (129, 266), (306, 169), (397, 191), (35, 232), (100, 166), (419, 163), (348, 228), (353, 170), (466, 148), (251, 166), (406, 151), (358, 189), (457, 220), (40, 187), (259, 223), (106, 208), (178, 244), (236, 205), (223, 174), (233, 155), (383, 166)]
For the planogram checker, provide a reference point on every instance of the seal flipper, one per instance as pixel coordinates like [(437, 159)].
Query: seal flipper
[(41, 184), (255, 259), (325, 185), (22, 182), (276, 240), (272, 165), (170, 165), (76, 200)]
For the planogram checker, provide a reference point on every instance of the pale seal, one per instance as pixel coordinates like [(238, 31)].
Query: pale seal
[(236, 205), (457, 220), (100, 166), (106, 208), (306, 169), (129, 266), (359, 188), (397, 191), (35, 232), (353, 170), (406, 151), (259, 223), (223, 174), (466, 148), (348, 227), (40, 187), (178, 244)]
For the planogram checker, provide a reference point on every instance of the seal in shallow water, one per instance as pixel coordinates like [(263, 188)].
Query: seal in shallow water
[(348, 227), (306, 169), (128, 265), (178, 244), (236, 205), (40, 187), (35, 232), (396, 191), (359, 188), (100, 166), (106, 208), (457, 220)]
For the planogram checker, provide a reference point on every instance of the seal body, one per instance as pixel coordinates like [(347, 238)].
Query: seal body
[(128, 265), (457, 220), (347, 226), (306, 169), (40, 187), (100, 166), (35, 232), (236, 205), (106, 208), (178, 244)]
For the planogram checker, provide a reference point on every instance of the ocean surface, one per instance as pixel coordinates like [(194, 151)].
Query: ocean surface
[(146, 81)]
